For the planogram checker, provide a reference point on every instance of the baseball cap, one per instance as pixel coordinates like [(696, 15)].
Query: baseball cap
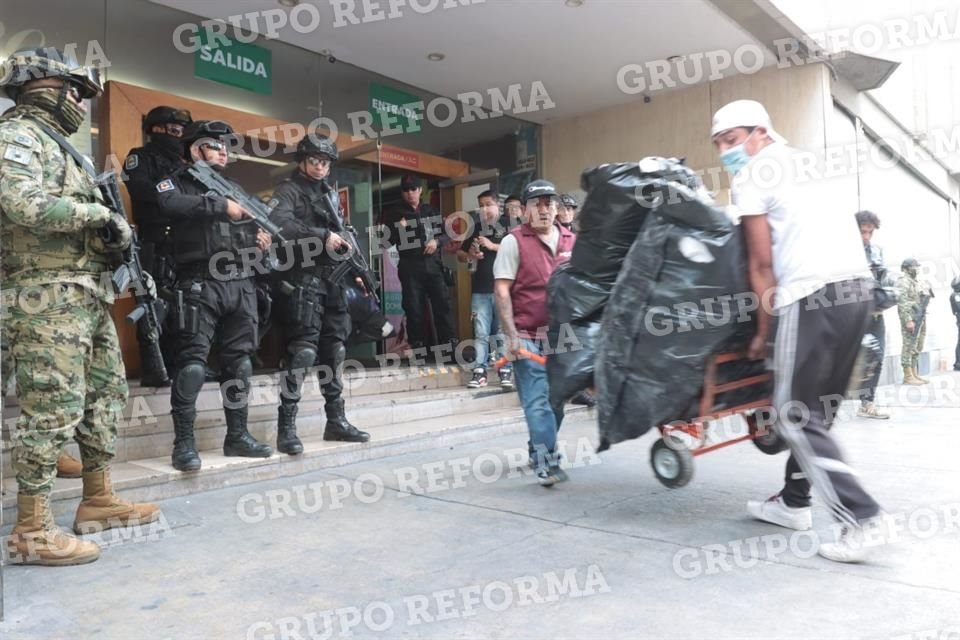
[(410, 182), (538, 189), (743, 113)]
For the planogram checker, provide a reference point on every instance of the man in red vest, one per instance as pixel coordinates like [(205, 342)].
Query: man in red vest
[(526, 259)]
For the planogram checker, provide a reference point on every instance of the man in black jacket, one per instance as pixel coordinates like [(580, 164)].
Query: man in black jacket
[(318, 320), (144, 167), (214, 290), (868, 223), (417, 231)]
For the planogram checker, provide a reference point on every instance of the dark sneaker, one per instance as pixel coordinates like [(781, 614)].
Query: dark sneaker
[(506, 379), (550, 477), (478, 380), (584, 398)]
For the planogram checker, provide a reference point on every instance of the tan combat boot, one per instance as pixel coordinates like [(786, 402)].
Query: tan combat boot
[(68, 466), (916, 374), (36, 539), (100, 509), (909, 377)]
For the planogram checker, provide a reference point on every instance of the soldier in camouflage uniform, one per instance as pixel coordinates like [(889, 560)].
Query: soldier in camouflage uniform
[(914, 296), (67, 465), (69, 372)]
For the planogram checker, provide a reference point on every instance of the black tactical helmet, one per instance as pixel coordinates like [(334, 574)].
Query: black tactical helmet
[(317, 145), (166, 115), (569, 201), (199, 129), (47, 62), (909, 263)]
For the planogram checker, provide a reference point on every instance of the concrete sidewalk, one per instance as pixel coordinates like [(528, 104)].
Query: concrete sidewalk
[(484, 553)]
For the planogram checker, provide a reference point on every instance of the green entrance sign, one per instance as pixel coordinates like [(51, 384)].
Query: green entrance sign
[(395, 110), (237, 64)]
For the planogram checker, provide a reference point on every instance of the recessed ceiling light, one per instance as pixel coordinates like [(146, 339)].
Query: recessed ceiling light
[(573, 4), (436, 57), (289, 3)]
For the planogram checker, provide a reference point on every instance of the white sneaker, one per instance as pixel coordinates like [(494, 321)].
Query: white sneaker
[(776, 512), (855, 543), (869, 410)]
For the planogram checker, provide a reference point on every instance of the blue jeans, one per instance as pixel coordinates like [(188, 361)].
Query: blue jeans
[(485, 324), (543, 422)]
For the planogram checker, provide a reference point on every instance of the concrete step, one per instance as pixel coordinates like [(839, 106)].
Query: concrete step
[(265, 388), (144, 434), (152, 479)]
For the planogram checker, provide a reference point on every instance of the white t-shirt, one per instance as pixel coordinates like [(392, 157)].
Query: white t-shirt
[(508, 255), (814, 242)]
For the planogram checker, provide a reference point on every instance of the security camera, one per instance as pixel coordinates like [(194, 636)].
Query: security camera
[(331, 59), (647, 99)]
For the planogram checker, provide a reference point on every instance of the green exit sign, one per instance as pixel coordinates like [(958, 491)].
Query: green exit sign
[(237, 64)]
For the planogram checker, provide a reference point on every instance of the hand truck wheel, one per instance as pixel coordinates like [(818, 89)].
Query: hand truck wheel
[(672, 463), (769, 441)]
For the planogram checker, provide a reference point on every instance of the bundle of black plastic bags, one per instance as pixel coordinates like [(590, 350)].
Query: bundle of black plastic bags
[(655, 286)]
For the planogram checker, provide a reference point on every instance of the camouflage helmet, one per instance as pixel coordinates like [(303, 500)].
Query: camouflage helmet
[(47, 62), (317, 145), (909, 263)]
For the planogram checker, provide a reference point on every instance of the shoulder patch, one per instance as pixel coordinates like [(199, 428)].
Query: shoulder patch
[(272, 203), (18, 154), (166, 185), (132, 162), (24, 139)]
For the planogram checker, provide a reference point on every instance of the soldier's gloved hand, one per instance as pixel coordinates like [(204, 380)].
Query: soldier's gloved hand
[(117, 234), (150, 285), (97, 215), (114, 236)]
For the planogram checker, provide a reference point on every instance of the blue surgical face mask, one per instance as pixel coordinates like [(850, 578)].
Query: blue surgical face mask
[(736, 158)]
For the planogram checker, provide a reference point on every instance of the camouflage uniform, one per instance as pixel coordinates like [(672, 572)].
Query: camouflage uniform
[(69, 372), (911, 293)]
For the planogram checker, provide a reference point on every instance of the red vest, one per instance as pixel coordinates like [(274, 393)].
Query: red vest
[(529, 290)]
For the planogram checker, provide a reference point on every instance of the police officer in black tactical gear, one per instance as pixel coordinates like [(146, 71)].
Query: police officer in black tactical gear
[(214, 292), (417, 230), (318, 320), (144, 167)]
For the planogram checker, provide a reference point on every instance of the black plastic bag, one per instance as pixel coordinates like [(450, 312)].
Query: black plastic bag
[(678, 299), (619, 198), (575, 305)]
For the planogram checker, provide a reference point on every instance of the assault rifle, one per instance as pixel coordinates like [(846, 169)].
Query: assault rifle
[(919, 312), (130, 276), (354, 263), (209, 177)]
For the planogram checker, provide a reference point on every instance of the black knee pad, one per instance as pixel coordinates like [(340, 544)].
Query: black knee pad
[(239, 369), (297, 369), (187, 385), (303, 359), (332, 353), (235, 386)]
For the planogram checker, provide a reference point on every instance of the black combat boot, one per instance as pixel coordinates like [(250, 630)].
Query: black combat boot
[(239, 442), (338, 427), (287, 440), (185, 457)]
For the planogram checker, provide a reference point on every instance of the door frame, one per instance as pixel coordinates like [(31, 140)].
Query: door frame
[(120, 117)]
